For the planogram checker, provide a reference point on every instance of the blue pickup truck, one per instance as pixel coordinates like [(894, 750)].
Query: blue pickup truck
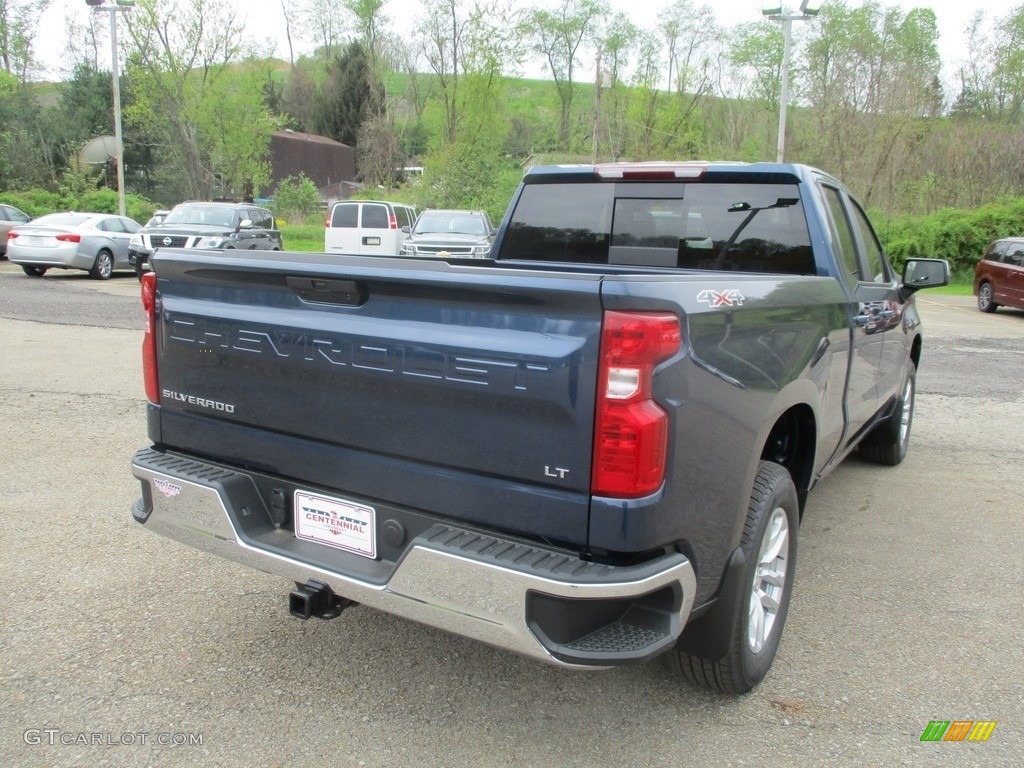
[(593, 448)]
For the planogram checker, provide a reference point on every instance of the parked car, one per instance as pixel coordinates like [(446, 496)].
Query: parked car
[(368, 227), (209, 226), (999, 276), (156, 219), (450, 233), (9, 217), (95, 242)]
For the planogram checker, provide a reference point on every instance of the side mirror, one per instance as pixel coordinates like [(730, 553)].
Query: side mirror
[(245, 224), (924, 273), (407, 229)]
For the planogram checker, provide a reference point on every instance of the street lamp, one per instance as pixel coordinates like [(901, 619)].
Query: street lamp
[(118, 6), (774, 10)]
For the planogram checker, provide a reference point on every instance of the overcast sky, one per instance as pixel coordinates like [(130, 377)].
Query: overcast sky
[(266, 15)]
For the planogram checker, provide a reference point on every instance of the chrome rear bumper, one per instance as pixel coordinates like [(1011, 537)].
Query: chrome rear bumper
[(533, 601)]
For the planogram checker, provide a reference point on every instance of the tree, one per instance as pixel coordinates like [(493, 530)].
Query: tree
[(558, 36), (212, 120), (470, 50), (323, 25), (19, 23), (1008, 66), (755, 53), (611, 97), (873, 75), (25, 156), (370, 22), (349, 95), (692, 36)]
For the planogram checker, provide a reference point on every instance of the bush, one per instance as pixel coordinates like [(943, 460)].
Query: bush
[(36, 202), (959, 236), (296, 199)]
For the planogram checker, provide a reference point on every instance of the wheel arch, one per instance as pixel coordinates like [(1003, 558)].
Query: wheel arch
[(792, 443), (915, 351)]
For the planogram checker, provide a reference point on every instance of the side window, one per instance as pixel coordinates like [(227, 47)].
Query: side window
[(1016, 256), (345, 215), (404, 216), (997, 251), (261, 219), (878, 269), (130, 226), (842, 233), (375, 217)]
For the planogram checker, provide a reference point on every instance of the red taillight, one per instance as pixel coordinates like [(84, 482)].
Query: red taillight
[(149, 372), (69, 238), (631, 429), (11, 235), (392, 221), (327, 223)]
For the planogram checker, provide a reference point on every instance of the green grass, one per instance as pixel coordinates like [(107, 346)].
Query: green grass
[(959, 285), (304, 237)]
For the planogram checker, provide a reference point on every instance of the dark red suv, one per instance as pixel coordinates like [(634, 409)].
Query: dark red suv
[(999, 276)]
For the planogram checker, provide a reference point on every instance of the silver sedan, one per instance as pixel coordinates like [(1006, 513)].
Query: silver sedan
[(94, 242)]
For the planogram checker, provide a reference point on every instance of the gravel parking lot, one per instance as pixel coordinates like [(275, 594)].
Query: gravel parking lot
[(123, 648)]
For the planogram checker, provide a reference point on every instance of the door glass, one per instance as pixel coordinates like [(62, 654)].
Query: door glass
[(842, 234), (877, 267)]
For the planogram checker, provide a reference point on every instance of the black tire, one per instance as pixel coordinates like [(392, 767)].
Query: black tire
[(33, 271), (731, 649), (986, 302), (889, 442), (103, 267)]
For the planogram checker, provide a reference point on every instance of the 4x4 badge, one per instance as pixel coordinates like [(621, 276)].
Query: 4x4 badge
[(727, 298)]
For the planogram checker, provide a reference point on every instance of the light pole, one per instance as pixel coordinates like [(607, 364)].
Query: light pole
[(119, 5), (774, 10)]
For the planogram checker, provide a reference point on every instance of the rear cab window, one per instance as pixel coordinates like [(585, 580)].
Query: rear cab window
[(692, 225), (345, 215), (375, 216)]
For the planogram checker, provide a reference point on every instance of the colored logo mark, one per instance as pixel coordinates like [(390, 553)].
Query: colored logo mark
[(958, 730)]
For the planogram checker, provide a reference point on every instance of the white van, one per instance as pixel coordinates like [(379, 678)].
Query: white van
[(368, 227)]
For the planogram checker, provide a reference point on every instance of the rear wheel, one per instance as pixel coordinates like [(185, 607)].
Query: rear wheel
[(732, 648), (103, 267), (889, 441), (33, 271), (986, 301)]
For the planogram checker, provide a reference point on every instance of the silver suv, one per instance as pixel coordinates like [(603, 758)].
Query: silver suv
[(450, 234)]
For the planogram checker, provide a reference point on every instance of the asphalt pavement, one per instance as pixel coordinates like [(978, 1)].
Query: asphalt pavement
[(121, 648)]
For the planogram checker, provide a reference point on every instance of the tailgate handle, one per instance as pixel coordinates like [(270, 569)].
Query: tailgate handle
[(348, 293)]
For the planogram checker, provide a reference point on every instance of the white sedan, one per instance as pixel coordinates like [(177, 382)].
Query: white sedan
[(94, 242)]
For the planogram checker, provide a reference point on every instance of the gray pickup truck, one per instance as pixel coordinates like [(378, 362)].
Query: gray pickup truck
[(593, 448)]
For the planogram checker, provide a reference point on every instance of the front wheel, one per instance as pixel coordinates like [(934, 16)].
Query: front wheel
[(889, 442), (732, 648), (986, 301), (103, 267)]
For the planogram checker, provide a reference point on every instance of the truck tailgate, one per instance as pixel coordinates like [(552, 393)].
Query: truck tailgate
[(465, 392)]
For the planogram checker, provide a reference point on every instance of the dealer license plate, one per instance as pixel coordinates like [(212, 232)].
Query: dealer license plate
[(336, 522)]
